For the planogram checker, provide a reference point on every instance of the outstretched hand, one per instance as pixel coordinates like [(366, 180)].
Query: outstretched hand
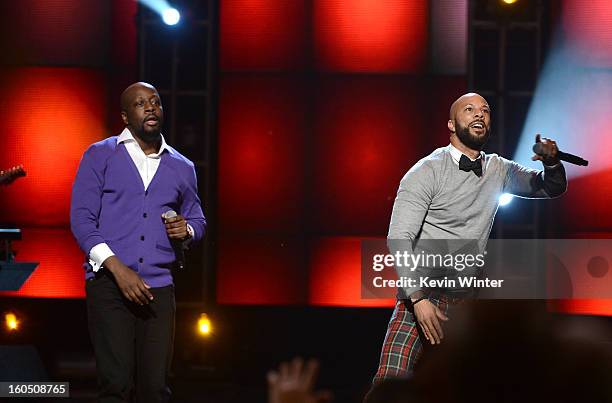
[(294, 383), (549, 151)]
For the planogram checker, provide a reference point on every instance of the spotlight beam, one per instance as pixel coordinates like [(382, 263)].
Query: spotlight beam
[(559, 110), (169, 14)]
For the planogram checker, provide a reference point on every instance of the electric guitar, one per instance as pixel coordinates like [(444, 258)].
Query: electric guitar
[(10, 175)]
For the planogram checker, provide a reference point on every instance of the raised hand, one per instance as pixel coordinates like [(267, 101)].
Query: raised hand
[(549, 151), (294, 383)]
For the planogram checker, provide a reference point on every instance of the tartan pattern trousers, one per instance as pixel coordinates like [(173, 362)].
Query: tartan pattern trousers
[(404, 340)]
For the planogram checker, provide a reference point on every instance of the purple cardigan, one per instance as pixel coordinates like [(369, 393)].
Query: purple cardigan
[(109, 204)]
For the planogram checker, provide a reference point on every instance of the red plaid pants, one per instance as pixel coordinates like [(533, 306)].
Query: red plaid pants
[(403, 343)]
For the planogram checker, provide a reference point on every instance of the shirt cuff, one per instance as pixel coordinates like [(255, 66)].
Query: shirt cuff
[(190, 231), (98, 254)]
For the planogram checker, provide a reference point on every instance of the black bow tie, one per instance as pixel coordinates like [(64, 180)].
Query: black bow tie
[(467, 165)]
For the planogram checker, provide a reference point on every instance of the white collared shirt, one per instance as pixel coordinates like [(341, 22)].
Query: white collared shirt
[(147, 166)]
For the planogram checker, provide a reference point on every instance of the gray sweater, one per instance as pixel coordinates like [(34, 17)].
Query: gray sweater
[(436, 200)]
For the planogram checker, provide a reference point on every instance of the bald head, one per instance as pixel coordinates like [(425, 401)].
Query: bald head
[(463, 100), (470, 121), (128, 94)]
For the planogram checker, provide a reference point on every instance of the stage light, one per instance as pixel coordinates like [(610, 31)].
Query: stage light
[(509, 1), (204, 325), (505, 199), (10, 319), (171, 16)]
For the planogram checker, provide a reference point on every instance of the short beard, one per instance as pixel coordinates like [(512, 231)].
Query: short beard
[(149, 137), (469, 140)]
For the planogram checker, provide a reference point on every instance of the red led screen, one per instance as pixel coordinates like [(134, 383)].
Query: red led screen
[(370, 35), (586, 205), (262, 121), (366, 136), (588, 30), (449, 36), (262, 34), (57, 32), (60, 273), (50, 116), (335, 273), (584, 306)]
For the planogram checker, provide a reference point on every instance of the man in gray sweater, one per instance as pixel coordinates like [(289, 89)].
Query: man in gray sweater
[(453, 194)]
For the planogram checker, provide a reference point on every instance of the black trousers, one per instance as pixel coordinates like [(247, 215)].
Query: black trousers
[(132, 343)]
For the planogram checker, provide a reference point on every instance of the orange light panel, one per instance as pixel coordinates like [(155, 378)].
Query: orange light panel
[(60, 273), (335, 274), (50, 116), (370, 36)]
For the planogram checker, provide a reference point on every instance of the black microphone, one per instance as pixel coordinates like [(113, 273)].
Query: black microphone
[(176, 244), (571, 158)]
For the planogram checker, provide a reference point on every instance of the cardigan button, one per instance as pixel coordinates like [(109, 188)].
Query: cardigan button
[(141, 260), (144, 215), (142, 237)]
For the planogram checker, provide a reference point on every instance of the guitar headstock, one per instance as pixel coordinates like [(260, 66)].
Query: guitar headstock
[(11, 174)]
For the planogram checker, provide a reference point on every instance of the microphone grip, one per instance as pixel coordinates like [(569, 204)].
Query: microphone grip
[(572, 159), (179, 252), (567, 157)]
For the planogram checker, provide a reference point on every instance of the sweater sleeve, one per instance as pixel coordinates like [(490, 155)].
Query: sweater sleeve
[(191, 207), (531, 183), (86, 200), (414, 196)]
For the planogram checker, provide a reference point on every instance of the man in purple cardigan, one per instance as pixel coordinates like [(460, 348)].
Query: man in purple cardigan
[(123, 189)]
